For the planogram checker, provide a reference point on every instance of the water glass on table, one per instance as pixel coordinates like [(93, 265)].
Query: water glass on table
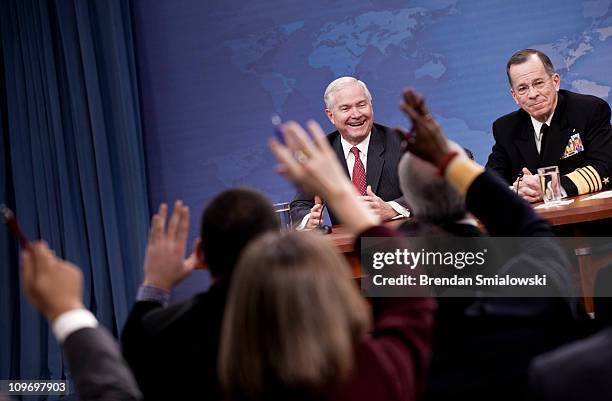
[(550, 182), (284, 215)]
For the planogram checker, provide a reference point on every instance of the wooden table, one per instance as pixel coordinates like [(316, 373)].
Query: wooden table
[(581, 218), (575, 214), (578, 212)]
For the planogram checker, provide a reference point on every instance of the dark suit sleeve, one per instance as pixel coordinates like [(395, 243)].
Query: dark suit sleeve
[(134, 340), (499, 161), (401, 201), (501, 211), (594, 174), (504, 214), (300, 206), (99, 371)]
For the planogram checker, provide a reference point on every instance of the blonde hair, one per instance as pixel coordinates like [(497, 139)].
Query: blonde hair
[(292, 320)]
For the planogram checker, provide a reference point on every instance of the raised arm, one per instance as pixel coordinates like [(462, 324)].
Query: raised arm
[(54, 287), (487, 197), (313, 165)]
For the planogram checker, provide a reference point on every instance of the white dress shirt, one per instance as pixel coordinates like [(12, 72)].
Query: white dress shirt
[(537, 127)]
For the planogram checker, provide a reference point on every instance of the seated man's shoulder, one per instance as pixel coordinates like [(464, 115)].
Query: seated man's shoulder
[(506, 127), (583, 97), (388, 134), (383, 129), (511, 119), (584, 103), (199, 310)]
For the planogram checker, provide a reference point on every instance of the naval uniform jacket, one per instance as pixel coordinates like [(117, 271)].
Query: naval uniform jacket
[(579, 141)]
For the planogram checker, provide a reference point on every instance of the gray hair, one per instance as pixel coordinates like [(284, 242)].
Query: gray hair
[(522, 56), (430, 197), (339, 84)]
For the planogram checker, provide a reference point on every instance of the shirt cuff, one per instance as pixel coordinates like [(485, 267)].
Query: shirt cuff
[(71, 321), (401, 211), (150, 293), (461, 173), (303, 223)]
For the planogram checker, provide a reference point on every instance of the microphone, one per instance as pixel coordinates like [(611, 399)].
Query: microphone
[(324, 228), (518, 180)]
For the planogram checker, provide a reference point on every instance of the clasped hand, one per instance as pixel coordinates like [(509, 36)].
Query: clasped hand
[(528, 186), (377, 205)]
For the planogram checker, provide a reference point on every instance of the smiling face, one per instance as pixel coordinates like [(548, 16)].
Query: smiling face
[(534, 89), (351, 113)]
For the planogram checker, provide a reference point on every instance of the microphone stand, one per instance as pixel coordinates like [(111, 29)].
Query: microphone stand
[(324, 228)]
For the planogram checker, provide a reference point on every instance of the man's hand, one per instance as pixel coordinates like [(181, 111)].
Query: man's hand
[(164, 266), (528, 186), (316, 214), (52, 285), (378, 206), (426, 139)]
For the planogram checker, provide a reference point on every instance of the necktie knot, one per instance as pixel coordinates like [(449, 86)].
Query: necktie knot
[(355, 151)]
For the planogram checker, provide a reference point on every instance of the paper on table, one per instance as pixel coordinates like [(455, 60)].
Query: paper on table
[(601, 195), (559, 203)]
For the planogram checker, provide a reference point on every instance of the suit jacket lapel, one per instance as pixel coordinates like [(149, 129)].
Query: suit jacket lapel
[(337, 145), (558, 135), (376, 161), (526, 144)]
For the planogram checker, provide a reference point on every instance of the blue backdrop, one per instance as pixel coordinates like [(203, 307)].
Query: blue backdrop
[(212, 73)]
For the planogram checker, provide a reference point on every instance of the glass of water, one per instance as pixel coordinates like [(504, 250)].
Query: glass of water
[(550, 183), (284, 217)]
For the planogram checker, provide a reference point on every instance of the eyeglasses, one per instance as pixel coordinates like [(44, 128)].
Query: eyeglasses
[(538, 85)]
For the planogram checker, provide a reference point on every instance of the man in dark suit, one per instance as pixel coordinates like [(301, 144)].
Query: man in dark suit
[(493, 339), (172, 350), (369, 153), (54, 287), (553, 128)]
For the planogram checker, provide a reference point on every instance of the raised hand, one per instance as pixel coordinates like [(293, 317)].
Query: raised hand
[(313, 165), (52, 285), (164, 264), (426, 139)]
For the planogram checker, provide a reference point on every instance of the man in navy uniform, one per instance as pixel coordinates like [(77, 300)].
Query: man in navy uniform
[(554, 127)]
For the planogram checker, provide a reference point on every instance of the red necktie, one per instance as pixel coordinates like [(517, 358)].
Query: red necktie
[(359, 176)]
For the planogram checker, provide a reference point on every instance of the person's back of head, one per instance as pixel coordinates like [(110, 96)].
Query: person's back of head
[(231, 220), (293, 318), (430, 197)]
